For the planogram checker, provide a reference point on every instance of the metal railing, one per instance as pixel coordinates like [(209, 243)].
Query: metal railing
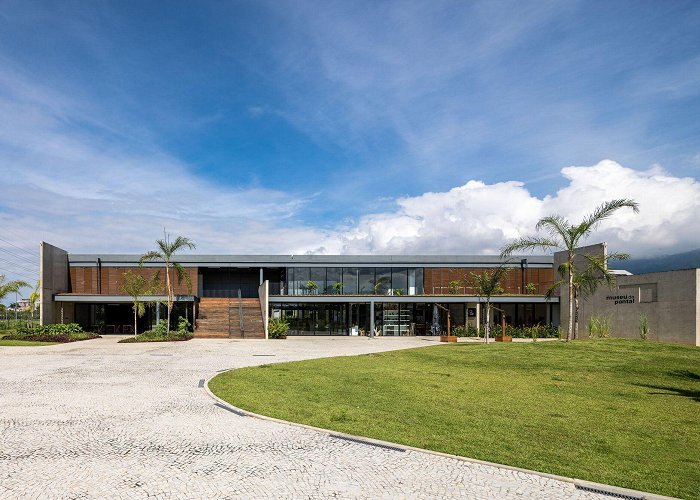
[(245, 291)]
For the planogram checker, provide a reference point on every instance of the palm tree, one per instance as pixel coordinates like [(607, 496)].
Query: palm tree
[(166, 250), (13, 286), (135, 286), (586, 282), (486, 285), (567, 237), (33, 299)]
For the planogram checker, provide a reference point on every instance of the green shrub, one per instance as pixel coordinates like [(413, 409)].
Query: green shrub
[(643, 326), (183, 326), (277, 328), (465, 331), (160, 329), (459, 331), (599, 327), (152, 336), (534, 332), (71, 332)]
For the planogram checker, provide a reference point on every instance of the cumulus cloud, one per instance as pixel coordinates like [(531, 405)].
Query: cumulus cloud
[(481, 218)]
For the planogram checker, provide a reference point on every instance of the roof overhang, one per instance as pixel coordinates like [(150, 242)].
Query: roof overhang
[(410, 299), (114, 299), (257, 261)]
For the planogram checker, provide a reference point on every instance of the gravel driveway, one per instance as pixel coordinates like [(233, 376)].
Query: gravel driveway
[(98, 419)]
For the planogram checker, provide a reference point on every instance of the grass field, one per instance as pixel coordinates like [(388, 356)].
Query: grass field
[(621, 412), (19, 343)]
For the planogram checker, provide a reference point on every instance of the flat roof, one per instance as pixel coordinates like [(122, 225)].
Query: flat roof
[(193, 260)]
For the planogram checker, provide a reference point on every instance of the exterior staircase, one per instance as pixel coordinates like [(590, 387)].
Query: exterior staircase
[(225, 318)]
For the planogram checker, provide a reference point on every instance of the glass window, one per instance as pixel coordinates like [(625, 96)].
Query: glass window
[(390, 320), (366, 280), (457, 312), (317, 278), (399, 281), (301, 279), (350, 279), (419, 281), (334, 280), (290, 281), (382, 282)]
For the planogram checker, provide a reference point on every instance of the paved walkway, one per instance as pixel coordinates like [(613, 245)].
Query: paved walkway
[(98, 419)]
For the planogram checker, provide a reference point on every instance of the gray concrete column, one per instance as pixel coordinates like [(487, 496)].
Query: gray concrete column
[(261, 276), (371, 319)]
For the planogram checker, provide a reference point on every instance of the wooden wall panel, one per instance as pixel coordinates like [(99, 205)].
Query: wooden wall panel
[(437, 280), (84, 280)]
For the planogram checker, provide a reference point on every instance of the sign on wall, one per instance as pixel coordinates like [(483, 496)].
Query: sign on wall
[(620, 299)]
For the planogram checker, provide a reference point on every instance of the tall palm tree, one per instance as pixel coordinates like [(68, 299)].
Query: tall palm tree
[(136, 286), (587, 281), (165, 252), (13, 286), (487, 285), (567, 237)]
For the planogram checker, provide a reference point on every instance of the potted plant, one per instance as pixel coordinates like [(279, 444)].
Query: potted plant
[(311, 287), (504, 337)]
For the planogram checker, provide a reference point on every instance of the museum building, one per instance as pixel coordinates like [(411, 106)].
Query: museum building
[(233, 296)]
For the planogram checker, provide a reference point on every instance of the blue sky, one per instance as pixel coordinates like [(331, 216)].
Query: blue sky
[(292, 124)]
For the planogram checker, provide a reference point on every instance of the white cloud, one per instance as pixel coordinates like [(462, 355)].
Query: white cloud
[(481, 218), (65, 184)]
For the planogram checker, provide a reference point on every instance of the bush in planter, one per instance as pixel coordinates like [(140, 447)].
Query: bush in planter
[(63, 333), (151, 336), (277, 328), (534, 332), (161, 328), (460, 331), (183, 327)]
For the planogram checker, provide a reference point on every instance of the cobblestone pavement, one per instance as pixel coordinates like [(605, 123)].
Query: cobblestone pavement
[(99, 419)]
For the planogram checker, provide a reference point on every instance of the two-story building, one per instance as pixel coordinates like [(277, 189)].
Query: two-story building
[(235, 295)]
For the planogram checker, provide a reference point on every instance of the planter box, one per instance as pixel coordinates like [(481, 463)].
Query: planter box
[(448, 338), (504, 338)]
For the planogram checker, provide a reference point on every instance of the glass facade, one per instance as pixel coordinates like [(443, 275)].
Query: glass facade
[(354, 281), (390, 319), (350, 280)]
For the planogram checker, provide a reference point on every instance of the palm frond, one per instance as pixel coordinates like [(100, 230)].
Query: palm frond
[(553, 288), (182, 274), (618, 256), (16, 285), (555, 225), (164, 247), (528, 244), (604, 211), (152, 255), (563, 268), (182, 242)]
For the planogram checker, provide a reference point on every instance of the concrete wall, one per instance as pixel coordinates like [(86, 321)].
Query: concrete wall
[(669, 299), (53, 270)]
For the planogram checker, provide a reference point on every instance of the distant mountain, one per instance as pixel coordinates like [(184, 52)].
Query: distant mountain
[(685, 260)]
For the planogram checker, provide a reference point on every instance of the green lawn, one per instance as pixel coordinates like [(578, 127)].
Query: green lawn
[(621, 412), (16, 343), (23, 343)]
